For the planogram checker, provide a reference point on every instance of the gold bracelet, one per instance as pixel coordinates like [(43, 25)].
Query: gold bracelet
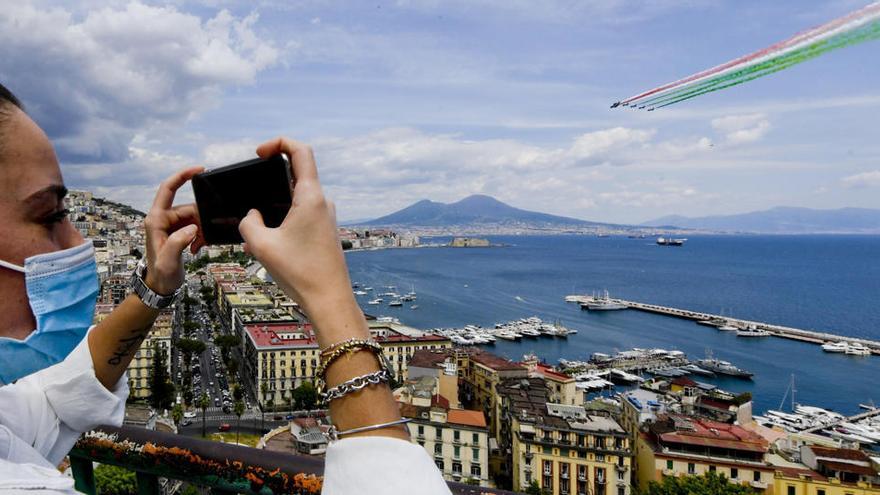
[(329, 349), (347, 347)]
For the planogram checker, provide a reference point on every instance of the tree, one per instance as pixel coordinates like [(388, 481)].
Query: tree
[(305, 396), (535, 489), (177, 414), (264, 390), (233, 367), (161, 389), (190, 347), (237, 392), (114, 480), (225, 342), (238, 409), (203, 405), (710, 483), (188, 397)]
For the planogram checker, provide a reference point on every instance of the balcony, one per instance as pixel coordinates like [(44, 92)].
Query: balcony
[(223, 468), (582, 477), (759, 485), (563, 476), (620, 467)]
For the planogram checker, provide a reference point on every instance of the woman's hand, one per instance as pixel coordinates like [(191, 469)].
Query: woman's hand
[(303, 254), (169, 230)]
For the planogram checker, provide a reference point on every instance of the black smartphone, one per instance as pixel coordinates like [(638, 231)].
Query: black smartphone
[(225, 195)]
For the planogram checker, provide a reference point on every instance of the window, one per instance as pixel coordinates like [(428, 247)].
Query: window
[(734, 473), (756, 476), (621, 490), (692, 469), (456, 452), (476, 438), (711, 469), (456, 467), (439, 463), (421, 429), (820, 492), (791, 490), (438, 432), (475, 470), (475, 454), (456, 435), (438, 448), (669, 464)]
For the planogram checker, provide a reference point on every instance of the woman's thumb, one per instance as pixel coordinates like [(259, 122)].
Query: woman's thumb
[(251, 226)]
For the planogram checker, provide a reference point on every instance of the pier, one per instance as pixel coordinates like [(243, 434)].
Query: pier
[(784, 332), (851, 419)]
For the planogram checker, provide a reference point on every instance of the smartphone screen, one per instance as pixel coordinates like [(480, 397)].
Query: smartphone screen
[(225, 195)]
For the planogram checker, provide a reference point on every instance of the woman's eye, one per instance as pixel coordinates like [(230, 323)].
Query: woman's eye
[(56, 217)]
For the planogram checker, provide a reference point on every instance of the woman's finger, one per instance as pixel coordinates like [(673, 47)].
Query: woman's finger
[(176, 243), (168, 188), (301, 157)]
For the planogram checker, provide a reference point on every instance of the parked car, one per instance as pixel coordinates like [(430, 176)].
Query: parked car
[(189, 414), (224, 427), (186, 422)]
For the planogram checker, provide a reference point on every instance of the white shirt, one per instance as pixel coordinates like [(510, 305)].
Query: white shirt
[(43, 414)]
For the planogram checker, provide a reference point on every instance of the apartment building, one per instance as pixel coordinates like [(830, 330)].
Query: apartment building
[(141, 367)]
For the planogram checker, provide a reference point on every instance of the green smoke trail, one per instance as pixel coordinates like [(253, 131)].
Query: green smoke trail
[(776, 64)]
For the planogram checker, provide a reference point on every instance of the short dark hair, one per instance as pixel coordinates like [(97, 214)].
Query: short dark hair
[(7, 98)]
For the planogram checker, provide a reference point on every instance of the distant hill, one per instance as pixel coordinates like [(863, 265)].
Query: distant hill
[(783, 220), (476, 209)]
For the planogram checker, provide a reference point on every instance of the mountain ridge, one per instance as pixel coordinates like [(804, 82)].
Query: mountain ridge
[(782, 220)]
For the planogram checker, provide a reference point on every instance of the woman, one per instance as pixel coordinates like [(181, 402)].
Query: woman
[(48, 286)]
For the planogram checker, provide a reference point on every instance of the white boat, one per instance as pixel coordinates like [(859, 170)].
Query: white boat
[(728, 328), (530, 332), (752, 331), (857, 349), (603, 303), (376, 301), (395, 302), (414, 306), (506, 335), (360, 293), (836, 347)]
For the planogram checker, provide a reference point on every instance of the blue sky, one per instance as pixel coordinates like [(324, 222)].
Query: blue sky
[(424, 99)]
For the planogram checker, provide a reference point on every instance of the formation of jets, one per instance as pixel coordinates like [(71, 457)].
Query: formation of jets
[(618, 104)]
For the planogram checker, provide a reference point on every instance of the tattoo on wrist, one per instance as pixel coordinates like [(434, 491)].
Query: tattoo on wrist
[(128, 346)]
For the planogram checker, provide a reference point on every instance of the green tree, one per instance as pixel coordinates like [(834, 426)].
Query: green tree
[(114, 480), (203, 405), (161, 389), (190, 490), (305, 396), (237, 392), (188, 397), (226, 342), (710, 483), (238, 409), (177, 414), (535, 489), (190, 326), (189, 348), (264, 391)]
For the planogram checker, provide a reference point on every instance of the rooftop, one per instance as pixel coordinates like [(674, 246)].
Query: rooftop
[(689, 430), (466, 417)]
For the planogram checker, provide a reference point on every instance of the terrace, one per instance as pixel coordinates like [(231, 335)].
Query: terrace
[(223, 468)]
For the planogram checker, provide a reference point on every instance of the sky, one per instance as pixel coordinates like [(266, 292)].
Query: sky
[(429, 99)]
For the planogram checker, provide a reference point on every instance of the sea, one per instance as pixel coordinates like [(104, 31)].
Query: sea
[(826, 283)]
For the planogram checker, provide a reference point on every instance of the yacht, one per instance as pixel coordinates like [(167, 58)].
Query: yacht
[(857, 349), (530, 332), (360, 293), (668, 241), (752, 331), (414, 306), (727, 327), (376, 301), (693, 368), (506, 335), (723, 368), (837, 347), (395, 302)]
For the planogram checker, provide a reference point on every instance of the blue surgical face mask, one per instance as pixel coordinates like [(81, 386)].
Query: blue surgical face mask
[(62, 289)]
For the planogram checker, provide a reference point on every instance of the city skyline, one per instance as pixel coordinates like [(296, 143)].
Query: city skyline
[(417, 100)]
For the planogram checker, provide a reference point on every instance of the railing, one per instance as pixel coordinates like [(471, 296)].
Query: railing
[(224, 468)]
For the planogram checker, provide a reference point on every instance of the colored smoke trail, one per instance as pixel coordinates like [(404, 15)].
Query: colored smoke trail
[(857, 27)]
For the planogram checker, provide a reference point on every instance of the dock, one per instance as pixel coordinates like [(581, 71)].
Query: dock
[(851, 419), (811, 336)]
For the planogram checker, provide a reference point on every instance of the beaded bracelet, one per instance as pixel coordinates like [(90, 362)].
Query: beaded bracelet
[(327, 351), (355, 384), (346, 347)]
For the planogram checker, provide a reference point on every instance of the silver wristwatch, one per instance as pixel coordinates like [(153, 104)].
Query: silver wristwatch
[(147, 295)]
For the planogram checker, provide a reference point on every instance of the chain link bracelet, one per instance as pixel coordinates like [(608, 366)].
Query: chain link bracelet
[(336, 435), (355, 384)]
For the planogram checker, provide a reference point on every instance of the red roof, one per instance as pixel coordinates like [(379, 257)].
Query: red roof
[(266, 334), (466, 417), (684, 381), (715, 434), (847, 468), (848, 454), (440, 401), (548, 371), (495, 362)]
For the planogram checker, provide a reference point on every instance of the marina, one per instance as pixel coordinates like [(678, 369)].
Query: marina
[(531, 327), (743, 328)]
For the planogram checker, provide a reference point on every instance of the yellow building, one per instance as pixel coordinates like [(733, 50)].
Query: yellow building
[(141, 367), (284, 355), (458, 439), (828, 471), (480, 372), (808, 482), (678, 445), (562, 448)]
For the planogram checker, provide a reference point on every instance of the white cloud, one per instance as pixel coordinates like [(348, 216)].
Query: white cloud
[(93, 83), (742, 129), (864, 179)]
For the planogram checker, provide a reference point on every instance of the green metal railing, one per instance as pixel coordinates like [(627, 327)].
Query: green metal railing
[(223, 468)]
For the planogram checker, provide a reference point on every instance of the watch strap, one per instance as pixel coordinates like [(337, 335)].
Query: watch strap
[(148, 296)]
